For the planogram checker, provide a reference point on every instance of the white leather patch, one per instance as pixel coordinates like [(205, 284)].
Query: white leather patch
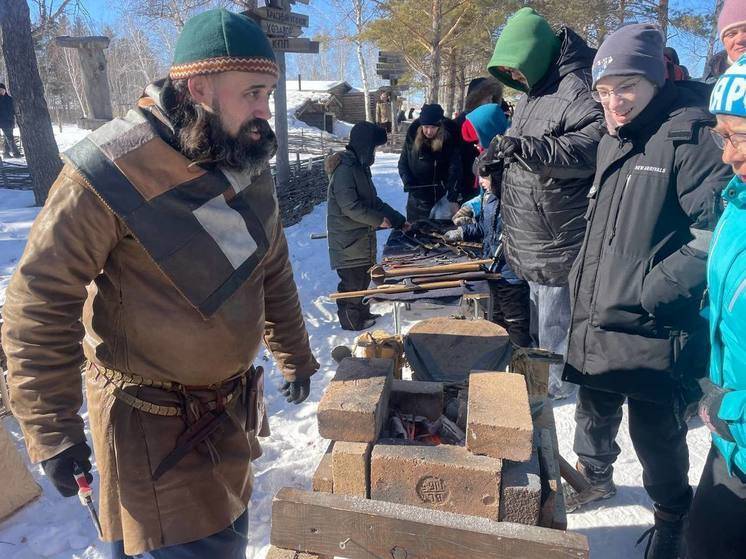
[(228, 228)]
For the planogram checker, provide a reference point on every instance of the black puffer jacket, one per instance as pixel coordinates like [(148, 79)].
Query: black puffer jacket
[(419, 164), (638, 281), (560, 126)]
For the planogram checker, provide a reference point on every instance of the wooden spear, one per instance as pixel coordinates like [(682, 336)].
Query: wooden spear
[(398, 288), (379, 273)]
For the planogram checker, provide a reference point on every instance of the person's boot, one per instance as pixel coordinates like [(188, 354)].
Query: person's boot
[(352, 319), (665, 538), (600, 486)]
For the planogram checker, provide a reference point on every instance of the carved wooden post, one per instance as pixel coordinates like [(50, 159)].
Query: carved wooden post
[(95, 77)]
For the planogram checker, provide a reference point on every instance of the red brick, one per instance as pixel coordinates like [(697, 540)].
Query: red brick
[(417, 398), (520, 498), (355, 403), (351, 468), (323, 480), (444, 477), (498, 418)]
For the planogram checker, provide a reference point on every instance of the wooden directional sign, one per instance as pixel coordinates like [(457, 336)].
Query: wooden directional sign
[(275, 29), (281, 16), (391, 67), (285, 44), (279, 4)]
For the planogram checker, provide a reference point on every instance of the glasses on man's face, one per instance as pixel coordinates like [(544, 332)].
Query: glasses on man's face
[(738, 140), (624, 91)]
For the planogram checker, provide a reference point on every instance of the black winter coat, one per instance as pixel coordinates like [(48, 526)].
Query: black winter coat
[(354, 210), (638, 282), (7, 113), (559, 125), (418, 166)]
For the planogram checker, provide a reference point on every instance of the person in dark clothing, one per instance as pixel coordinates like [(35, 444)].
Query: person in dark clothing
[(510, 294), (354, 213), (430, 158), (674, 70), (636, 333), (480, 91), (7, 122), (410, 114), (553, 138), (715, 67)]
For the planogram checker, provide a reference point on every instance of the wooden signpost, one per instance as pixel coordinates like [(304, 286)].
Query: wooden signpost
[(392, 66), (95, 77), (283, 27)]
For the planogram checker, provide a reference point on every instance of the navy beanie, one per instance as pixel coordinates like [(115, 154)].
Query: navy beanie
[(431, 115), (635, 49)]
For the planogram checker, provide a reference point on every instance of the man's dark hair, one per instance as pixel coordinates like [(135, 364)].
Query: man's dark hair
[(202, 138)]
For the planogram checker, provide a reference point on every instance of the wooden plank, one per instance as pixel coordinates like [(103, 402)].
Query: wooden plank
[(284, 44), (390, 66), (545, 420), (278, 29), (362, 528), (281, 16), (19, 487)]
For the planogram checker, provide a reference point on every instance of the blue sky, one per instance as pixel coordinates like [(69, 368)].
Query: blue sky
[(106, 12)]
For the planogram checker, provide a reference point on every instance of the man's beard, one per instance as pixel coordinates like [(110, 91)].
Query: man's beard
[(204, 140)]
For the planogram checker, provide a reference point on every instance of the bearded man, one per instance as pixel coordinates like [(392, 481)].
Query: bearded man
[(159, 264)]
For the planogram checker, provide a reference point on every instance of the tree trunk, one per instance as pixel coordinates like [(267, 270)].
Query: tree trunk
[(436, 51), (34, 121), (713, 38), (461, 85), (451, 85), (357, 6), (663, 18)]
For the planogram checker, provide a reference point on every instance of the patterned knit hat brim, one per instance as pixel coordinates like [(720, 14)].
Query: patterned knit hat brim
[(224, 64)]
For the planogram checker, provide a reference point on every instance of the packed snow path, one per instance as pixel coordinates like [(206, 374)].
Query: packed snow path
[(61, 529)]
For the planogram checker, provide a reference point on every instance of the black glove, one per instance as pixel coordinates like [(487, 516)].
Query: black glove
[(296, 391), (503, 147), (709, 407), (59, 469)]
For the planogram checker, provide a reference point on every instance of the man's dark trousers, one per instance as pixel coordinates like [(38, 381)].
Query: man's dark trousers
[(226, 544), (658, 435), (352, 312), (9, 142)]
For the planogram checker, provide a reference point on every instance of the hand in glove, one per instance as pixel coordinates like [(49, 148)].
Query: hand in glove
[(464, 215), (709, 407), (503, 147), (454, 235), (296, 391), (59, 469)]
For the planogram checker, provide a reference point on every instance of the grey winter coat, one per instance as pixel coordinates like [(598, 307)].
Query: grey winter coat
[(559, 125)]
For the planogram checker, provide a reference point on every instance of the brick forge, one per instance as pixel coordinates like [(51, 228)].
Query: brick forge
[(445, 477)]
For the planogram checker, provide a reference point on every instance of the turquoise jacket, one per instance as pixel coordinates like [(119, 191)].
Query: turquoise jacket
[(726, 279)]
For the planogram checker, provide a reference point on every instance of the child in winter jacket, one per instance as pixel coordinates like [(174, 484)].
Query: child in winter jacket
[(510, 294)]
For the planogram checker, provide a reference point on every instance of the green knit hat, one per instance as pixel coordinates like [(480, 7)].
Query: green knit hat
[(527, 44), (221, 41)]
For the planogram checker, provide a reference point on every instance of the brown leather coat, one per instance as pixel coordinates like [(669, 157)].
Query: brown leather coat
[(81, 260)]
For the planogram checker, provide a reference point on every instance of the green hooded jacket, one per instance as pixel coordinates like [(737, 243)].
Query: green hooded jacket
[(527, 44)]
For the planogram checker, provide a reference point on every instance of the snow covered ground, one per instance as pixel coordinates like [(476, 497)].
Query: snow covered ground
[(60, 528)]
